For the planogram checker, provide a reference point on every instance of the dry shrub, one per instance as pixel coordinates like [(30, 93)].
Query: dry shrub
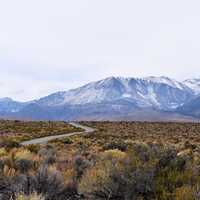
[(33, 196), (8, 172), (105, 180), (185, 193), (24, 165), (48, 155), (6, 189), (23, 154), (97, 182), (117, 176), (3, 152)]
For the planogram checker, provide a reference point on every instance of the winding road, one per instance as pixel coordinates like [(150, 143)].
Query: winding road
[(44, 140)]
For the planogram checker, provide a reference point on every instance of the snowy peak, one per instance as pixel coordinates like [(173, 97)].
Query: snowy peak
[(157, 92), (194, 84), (167, 81), (159, 80)]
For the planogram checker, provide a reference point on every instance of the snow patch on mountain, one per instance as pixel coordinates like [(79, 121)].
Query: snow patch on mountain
[(194, 84), (126, 95), (167, 81)]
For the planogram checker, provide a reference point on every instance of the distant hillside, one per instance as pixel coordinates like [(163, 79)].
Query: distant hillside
[(191, 108), (114, 98)]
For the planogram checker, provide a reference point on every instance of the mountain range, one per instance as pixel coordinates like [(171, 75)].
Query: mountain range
[(114, 98)]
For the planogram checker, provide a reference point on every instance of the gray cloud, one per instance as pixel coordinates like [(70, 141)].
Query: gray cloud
[(48, 45)]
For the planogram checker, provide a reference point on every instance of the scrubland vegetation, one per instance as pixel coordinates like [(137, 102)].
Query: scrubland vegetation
[(26, 130), (120, 161)]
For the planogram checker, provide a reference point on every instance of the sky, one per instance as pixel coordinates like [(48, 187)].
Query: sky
[(55, 45)]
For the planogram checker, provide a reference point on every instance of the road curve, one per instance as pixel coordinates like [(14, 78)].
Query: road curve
[(44, 140)]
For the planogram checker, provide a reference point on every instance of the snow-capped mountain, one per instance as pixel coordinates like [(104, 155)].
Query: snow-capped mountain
[(157, 92), (194, 84), (8, 105), (121, 98)]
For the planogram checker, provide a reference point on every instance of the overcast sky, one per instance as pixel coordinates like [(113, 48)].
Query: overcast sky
[(52, 45)]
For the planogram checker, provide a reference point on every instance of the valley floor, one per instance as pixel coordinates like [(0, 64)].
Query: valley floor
[(119, 161)]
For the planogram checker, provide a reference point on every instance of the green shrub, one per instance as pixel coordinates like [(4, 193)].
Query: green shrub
[(67, 140), (33, 148), (119, 144), (9, 144)]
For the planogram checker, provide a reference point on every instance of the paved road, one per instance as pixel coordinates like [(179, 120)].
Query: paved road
[(46, 139)]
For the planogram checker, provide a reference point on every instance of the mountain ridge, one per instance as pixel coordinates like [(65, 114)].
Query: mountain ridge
[(142, 90), (119, 95)]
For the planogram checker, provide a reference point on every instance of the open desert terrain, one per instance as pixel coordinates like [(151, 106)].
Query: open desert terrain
[(114, 160)]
